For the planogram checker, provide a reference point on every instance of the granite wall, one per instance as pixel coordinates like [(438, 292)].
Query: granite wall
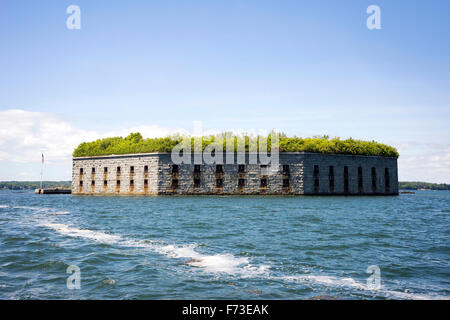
[(297, 173)]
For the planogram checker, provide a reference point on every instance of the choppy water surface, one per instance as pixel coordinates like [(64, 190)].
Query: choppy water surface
[(224, 247)]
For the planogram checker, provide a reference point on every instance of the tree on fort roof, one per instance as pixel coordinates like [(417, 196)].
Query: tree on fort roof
[(135, 143)]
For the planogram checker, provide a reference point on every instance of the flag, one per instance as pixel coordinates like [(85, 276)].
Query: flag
[(42, 158)]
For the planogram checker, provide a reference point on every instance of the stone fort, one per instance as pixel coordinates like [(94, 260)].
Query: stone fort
[(298, 173)]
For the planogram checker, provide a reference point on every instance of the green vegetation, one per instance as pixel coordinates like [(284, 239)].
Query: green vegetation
[(31, 185), (415, 185), (135, 143)]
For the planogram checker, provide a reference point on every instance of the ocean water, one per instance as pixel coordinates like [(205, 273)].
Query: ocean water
[(224, 247)]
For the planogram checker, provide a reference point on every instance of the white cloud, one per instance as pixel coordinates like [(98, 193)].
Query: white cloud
[(24, 135), (424, 162)]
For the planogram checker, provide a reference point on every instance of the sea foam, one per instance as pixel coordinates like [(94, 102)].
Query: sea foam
[(347, 282), (98, 236), (218, 263), (227, 263)]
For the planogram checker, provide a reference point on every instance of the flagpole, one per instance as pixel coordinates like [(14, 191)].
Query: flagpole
[(42, 168)]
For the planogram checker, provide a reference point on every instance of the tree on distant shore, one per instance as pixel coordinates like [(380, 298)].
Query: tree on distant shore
[(416, 185), (31, 185)]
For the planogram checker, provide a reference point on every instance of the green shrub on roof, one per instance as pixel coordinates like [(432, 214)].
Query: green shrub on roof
[(135, 143)]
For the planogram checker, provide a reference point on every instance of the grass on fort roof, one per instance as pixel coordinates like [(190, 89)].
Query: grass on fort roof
[(135, 143)]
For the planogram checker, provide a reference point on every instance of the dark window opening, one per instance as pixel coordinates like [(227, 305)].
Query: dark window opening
[(263, 183), (93, 183), (131, 183), (285, 183), (219, 183), (174, 183), (263, 166), (105, 182), (145, 169), (316, 185), (360, 180), (175, 168), (316, 178), (331, 178), (81, 170), (105, 170), (132, 169), (118, 182), (285, 169), (197, 168), (345, 179), (374, 179), (81, 183), (241, 168), (145, 183), (196, 183), (118, 170), (387, 182), (93, 170), (219, 168), (241, 183)]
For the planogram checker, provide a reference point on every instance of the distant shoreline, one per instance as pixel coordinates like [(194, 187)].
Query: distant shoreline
[(31, 185), (418, 185)]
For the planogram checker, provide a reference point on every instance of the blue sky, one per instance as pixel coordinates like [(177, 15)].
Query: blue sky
[(302, 67)]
